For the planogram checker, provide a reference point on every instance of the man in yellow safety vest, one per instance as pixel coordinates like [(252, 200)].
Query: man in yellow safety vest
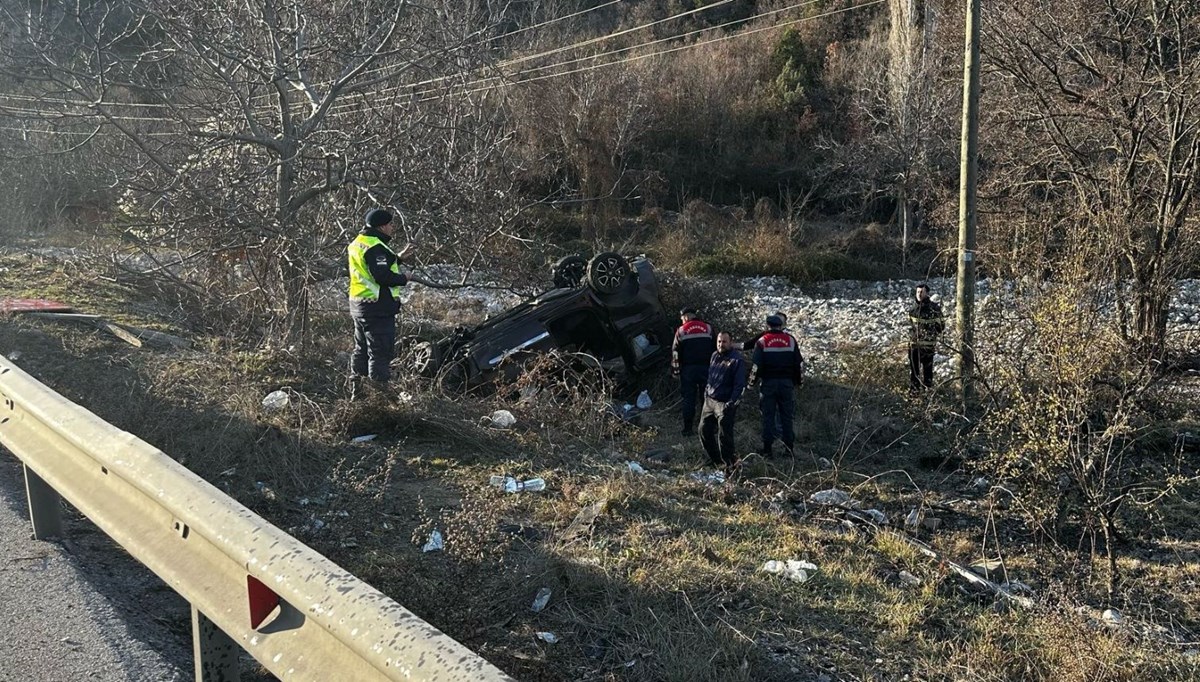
[(375, 281)]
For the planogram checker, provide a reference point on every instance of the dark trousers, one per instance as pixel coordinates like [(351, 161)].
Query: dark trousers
[(692, 379), (920, 366), (778, 404), (374, 346), (716, 416)]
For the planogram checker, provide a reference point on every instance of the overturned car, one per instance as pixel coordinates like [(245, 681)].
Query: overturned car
[(606, 309)]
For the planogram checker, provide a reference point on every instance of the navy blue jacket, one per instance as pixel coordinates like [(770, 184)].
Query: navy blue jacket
[(777, 356), (726, 376)]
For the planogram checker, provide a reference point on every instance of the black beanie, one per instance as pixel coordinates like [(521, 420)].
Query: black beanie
[(378, 217)]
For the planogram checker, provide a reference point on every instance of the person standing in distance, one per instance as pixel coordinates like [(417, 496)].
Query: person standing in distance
[(722, 394), (691, 352), (925, 325), (780, 366), (375, 281)]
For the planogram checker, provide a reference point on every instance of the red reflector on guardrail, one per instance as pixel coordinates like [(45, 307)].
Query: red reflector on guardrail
[(262, 601)]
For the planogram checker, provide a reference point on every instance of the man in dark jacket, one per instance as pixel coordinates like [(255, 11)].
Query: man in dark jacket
[(691, 352), (925, 325), (375, 281), (779, 365), (722, 394)]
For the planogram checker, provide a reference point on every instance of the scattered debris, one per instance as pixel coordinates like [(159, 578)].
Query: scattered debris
[(1112, 617), (985, 567), (15, 355), (661, 455), (30, 305), (547, 637), (275, 401), (635, 468), (931, 524), (364, 438), (511, 485), (265, 490), (541, 600), (832, 496), (435, 543), (404, 398), (982, 484), (708, 478), (502, 419), (877, 516), (528, 533), (909, 580), (582, 523), (796, 571), (643, 400), (229, 472), (913, 519), (824, 463)]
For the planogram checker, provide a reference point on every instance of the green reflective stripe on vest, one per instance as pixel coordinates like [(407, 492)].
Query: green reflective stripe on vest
[(362, 286)]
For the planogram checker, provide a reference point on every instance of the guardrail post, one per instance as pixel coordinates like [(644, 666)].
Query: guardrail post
[(45, 508), (215, 652)]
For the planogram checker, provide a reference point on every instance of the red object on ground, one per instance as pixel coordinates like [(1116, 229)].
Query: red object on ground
[(32, 305)]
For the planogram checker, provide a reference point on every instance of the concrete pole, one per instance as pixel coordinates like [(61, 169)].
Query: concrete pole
[(968, 180)]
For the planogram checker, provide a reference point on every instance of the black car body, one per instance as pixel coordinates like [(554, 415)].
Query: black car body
[(611, 312)]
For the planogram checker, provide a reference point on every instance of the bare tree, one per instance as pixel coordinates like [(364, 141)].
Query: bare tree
[(900, 110), (248, 128), (1096, 124)]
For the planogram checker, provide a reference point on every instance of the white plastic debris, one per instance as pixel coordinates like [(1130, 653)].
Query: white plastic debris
[(914, 518), (709, 478), (511, 485), (635, 468), (876, 516), (15, 355), (832, 496), (275, 400), (1112, 617), (909, 580), (503, 419), (404, 397), (435, 543), (643, 400), (541, 600), (796, 571), (229, 472), (547, 637), (364, 438)]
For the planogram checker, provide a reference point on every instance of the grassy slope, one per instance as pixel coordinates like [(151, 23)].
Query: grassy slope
[(664, 585)]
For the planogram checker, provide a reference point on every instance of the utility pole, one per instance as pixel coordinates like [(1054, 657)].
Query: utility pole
[(968, 179)]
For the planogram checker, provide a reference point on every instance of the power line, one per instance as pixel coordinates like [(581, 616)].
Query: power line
[(553, 51), (662, 52), (631, 47), (493, 39)]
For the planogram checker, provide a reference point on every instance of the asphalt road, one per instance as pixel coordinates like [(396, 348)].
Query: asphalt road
[(81, 609)]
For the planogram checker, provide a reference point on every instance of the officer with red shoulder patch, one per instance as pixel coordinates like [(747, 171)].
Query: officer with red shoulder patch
[(779, 365), (695, 342)]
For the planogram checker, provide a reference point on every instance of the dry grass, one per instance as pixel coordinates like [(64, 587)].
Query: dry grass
[(664, 583)]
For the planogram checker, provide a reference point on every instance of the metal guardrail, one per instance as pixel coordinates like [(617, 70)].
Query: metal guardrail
[(249, 583)]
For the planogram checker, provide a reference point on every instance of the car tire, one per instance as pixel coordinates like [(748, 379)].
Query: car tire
[(569, 272), (608, 273), (427, 359)]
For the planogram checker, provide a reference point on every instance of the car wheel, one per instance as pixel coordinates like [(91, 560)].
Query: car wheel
[(569, 272), (608, 272), (427, 359)]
